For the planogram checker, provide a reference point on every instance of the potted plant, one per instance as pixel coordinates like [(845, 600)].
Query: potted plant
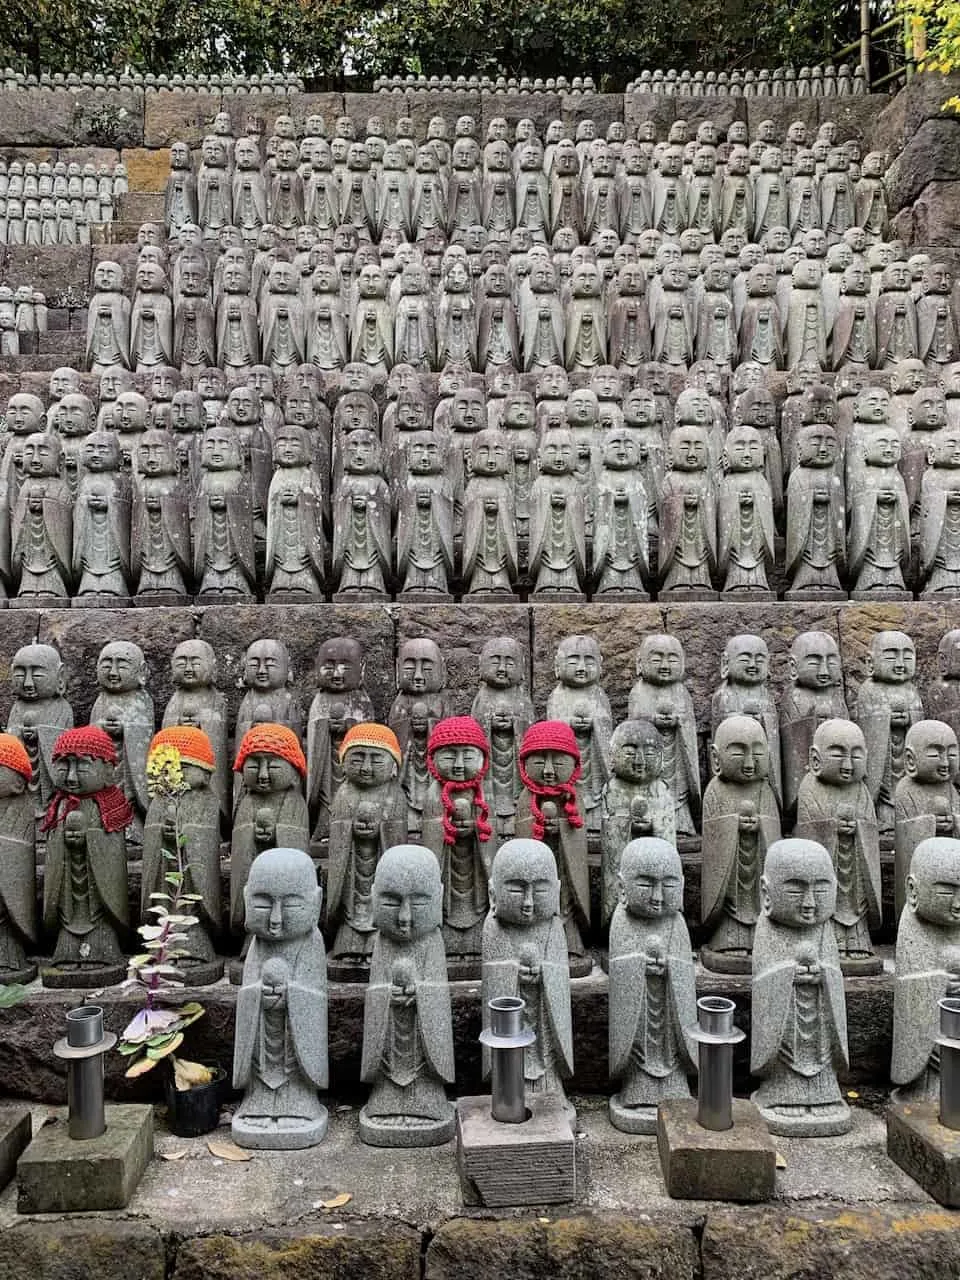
[(156, 1033)]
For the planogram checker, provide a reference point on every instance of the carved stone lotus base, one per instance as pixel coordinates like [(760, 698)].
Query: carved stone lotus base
[(26, 974), (632, 1119), (205, 974), (94, 600), (82, 977), (827, 1121), (725, 961), (691, 595), (860, 967), (279, 1135), (159, 600), (886, 594), (407, 1131), (815, 594)]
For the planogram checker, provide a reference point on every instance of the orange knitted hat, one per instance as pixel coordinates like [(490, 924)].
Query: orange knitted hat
[(193, 744), (14, 756), (275, 739), (371, 735)]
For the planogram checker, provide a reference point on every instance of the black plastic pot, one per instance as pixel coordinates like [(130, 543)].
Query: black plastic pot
[(191, 1112)]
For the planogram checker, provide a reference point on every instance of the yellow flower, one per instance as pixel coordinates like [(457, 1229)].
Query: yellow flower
[(164, 772)]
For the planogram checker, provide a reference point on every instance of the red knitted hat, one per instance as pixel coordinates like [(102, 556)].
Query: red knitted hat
[(551, 735), (461, 731), (193, 745), (275, 739), (13, 754), (89, 741)]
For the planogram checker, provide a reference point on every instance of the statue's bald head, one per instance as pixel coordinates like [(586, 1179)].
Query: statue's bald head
[(524, 885)]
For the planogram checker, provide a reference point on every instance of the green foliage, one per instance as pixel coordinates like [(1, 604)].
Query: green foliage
[(939, 21), (320, 39)]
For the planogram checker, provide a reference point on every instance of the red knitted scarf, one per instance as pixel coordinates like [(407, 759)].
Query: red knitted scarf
[(457, 730), (566, 791), (114, 809)]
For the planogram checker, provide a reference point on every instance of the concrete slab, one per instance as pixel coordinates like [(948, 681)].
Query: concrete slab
[(59, 1175), (739, 1163), (925, 1149)]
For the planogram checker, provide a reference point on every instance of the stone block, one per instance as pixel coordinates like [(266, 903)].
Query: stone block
[(882, 1242), (388, 106), (38, 117), (700, 1164), (178, 117), (147, 170), (80, 634), (721, 110), (502, 1165), (89, 155), (461, 631), (140, 206), (782, 111), (68, 346), (421, 107), (61, 271), (82, 1250), (59, 1175), (357, 1251), (933, 220), (265, 107), (602, 108), (638, 107), (541, 108), (931, 155), (854, 116), (16, 1129), (924, 1148), (112, 119), (36, 155), (581, 1248)]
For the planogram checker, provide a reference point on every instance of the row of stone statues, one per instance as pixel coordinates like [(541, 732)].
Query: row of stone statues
[(274, 83), (23, 317), (49, 203), (588, 186), (828, 81)]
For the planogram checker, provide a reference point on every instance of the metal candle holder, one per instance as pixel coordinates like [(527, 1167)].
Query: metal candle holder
[(716, 1036), (949, 1045), (506, 1038), (83, 1048)]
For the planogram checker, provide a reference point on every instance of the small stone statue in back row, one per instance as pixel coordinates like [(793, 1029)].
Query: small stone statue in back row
[(39, 713), (340, 702), (421, 702), (579, 700), (124, 709), (504, 710), (661, 696), (799, 1025), (926, 803), (407, 1022), (815, 694), (888, 703), (653, 998)]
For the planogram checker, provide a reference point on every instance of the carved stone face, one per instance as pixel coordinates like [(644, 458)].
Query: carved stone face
[(882, 448), (63, 382), (37, 673), (291, 446), (193, 665), (578, 662), (798, 886), (872, 405), (266, 665), (282, 897), (458, 762), (101, 452), (420, 667), (688, 449), (746, 660), (243, 406), (550, 768), (636, 750), (81, 775), (186, 411), (368, 766), (340, 665), (933, 885), (423, 455), (838, 756), (817, 446), (24, 414), (660, 660), (264, 773), (489, 454), (361, 453), (407, 893), (469, 410), (928, 409), (740, 753), (944, 450), (931, 754), (556, 455), (501, 666), (651, 879), (815, 661), (620, 450), (524, 887), (220, 450), (41, 455), (744, 450), (121, 667)]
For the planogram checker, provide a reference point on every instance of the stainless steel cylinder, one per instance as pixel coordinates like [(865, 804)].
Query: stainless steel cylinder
[(85, 1075), (507, 1103), (715, 1096), (949, 1042)]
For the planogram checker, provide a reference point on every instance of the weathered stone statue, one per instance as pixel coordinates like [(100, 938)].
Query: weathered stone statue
[(878, 543), (193, 819), (688, 518), (653, 1001), (621, 558), (161, 563), (835, 809), (108, 320), (39, 713), (816, 537), (674, 330), (744, 691), (269, 696), (936, 324), (888, 703), (101, 525), (151, 319), (939, 518), (503, 709), (896, 317), (421, 702), (815, 694), (761, 327), (425, 520), (799, 1028), (740, 821), (197, 703), (367, 817), (407, 1023), (489, 522), (636, 802), (280, 1051), (341, 701), (271, 810), (579, 700), (525, 955), (85, 874), (41, 527), (660, 696), (745, 530), (557, 555), (549, 809), (927, 966), (456, 828), (362, 549), (224, 566), (294, 567), (18, 871), (124, 710), (943, 694), (925, 800), (180, 193)]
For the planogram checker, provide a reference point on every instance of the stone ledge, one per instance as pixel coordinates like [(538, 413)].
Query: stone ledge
[(359, 1251), (82, 1250)]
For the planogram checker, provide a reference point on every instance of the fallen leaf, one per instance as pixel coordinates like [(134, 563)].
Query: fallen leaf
[(852, 1093), (140, 1068), (173, 1155), (781, 1161), (337, 1202), (228, 1151)]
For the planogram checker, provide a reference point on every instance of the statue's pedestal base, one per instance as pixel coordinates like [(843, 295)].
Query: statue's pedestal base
[(632, 1119), (828, 1121), (85, 978), (375, 1133), (38, 602), (884, 595), (747, 595), (815, 595), (159, 600), (9, 976), (16, 1128), (860, 966), (274, 1136), (688, 595), (96, 600), (926, 1149), (204, 974), (725, 961), (516, 1164), (59, 1174), (700, 1164)]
